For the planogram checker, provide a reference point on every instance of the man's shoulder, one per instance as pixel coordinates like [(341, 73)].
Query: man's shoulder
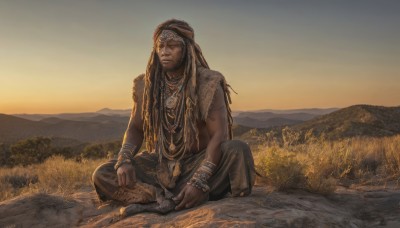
[(205, 74), (138, 88), (209, 81), (138, 79)]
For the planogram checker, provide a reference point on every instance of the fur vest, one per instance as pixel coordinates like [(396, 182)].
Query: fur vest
[(207, 82)]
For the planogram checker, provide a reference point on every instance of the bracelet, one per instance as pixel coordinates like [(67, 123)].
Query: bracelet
[(207, 167), (127, 150), (129, 146), (199, 184), (206, 170), (201, 176), (125, 155)]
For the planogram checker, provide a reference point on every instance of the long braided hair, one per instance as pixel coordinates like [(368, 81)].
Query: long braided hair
[(193, 57)]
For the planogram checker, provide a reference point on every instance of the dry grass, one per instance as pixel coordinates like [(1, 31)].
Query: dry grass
[(55, 175), (13, 181), (318, 166)]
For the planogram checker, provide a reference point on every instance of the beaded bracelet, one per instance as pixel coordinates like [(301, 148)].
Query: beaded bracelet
[(197, 183), (208, 167), (201, 176), (125, 155), (129, 146)]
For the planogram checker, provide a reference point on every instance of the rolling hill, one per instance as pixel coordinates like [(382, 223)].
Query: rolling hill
[(100, 128), (357, 120), (267, 123), (274, 118), (303, 116), (313, 111)]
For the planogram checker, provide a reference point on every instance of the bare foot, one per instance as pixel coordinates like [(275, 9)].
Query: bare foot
[(163, 208), (131, 209)]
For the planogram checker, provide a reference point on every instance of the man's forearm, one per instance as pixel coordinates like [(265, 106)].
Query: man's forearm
[(131, 144), (132, 141), (213, 151), (209, 165)]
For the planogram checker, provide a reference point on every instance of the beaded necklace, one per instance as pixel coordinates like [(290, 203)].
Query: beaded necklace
[(172, 117)]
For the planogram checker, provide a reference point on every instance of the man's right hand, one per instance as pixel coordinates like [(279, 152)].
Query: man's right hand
[(126, 175)]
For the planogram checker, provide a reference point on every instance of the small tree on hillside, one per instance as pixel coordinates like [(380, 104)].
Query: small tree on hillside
[(94, 151), (30, 151), (4, 154), (112, 148)]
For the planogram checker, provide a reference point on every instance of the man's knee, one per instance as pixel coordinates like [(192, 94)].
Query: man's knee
[(101, 179), (96, 174), (101, 172), (235, 148)]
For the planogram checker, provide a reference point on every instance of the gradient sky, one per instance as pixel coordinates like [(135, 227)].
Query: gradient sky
[(81, 55)]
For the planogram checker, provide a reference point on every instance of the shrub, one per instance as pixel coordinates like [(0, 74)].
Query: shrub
[(290, 137), (281, 168), (30, 151), (4, 154), (96, 151)]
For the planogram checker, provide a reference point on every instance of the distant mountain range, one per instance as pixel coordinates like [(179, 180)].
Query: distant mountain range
[(77, 116), (84, 128), (256, 119), (268, 123), (108, 125), (121, 112), (313, 111), (268, 119)]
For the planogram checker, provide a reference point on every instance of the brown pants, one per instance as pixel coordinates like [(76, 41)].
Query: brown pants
[(235, 174)]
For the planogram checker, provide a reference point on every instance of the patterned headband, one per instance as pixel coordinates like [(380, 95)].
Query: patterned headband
[(167, 35)]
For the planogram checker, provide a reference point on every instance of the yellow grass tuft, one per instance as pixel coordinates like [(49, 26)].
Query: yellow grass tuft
[(55, 175)]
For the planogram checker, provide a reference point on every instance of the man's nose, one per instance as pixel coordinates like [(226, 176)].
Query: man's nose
[(164, 51)]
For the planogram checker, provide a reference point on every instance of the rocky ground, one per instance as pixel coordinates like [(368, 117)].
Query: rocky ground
[(362, 206)]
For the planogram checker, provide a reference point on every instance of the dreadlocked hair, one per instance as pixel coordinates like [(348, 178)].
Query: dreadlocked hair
[(152, 92)]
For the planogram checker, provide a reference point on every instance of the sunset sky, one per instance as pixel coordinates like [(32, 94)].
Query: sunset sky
[(82, 55)]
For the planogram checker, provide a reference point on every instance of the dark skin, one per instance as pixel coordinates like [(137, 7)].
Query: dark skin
[(212, 132)]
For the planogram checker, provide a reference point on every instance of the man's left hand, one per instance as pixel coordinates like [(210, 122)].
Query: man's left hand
[(189, 197)]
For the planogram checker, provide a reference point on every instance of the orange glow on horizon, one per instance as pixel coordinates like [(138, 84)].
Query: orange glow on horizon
[(81, 56)]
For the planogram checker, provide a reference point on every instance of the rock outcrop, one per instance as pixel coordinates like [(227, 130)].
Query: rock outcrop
[(348, 207)]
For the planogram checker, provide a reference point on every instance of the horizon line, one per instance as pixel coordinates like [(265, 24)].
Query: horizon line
[(249, 110)]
